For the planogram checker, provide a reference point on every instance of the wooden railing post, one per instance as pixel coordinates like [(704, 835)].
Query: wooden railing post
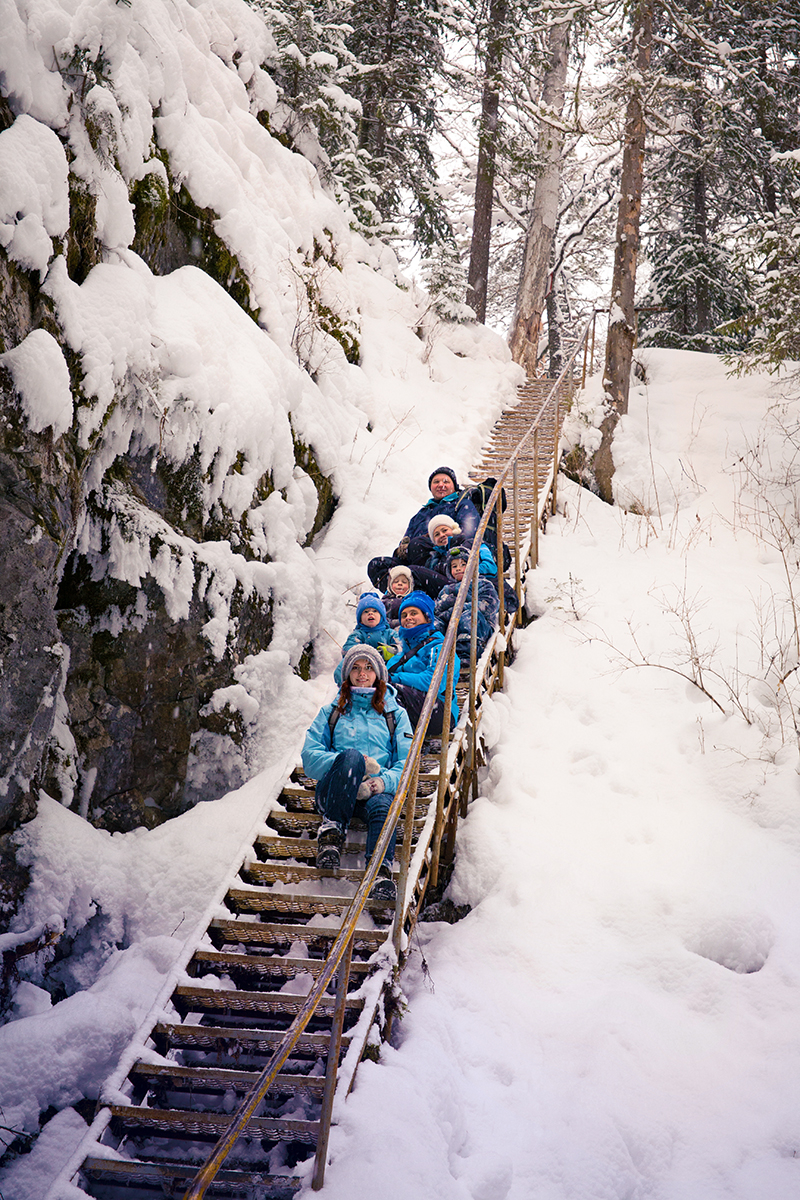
[(332, 1067), (535, 517), (443, 780), (405, 857), (556, 427), (517, 564)]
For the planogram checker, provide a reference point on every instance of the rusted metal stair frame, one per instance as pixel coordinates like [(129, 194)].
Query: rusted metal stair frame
[(529, 475)]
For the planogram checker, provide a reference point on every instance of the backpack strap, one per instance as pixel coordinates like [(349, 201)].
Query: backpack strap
[(410, 654), (389, 718)]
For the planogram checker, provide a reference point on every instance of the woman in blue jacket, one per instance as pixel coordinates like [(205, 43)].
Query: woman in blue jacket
[(355, 749), (411, 671)]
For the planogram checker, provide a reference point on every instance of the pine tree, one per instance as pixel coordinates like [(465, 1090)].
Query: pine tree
[(729, 103), (398, 50), (318, 114)]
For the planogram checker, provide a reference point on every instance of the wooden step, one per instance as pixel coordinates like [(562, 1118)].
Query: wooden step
[(266, 899), (210, 1125), (225, 1000), (271, 872), (305, 824), (222, 1038), (275, 847), (172, 1179), (268, 966), (263, 933), (175, 1078)]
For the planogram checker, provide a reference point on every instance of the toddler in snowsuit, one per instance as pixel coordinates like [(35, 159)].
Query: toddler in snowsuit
[(372, 629)]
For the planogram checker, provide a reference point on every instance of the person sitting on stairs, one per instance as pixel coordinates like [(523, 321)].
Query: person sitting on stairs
[(356, 749)]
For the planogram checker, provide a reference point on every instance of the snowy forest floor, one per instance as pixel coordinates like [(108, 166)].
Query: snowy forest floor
[(617, 1016)]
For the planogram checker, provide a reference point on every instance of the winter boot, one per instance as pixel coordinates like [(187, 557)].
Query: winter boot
[(329, 845), (384, 888)]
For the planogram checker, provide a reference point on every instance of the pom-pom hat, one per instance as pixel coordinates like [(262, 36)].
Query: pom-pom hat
[(370, 600), (442, 519), (401, 572)]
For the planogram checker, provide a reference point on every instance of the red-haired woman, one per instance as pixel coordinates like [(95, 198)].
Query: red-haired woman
[(356, 749)]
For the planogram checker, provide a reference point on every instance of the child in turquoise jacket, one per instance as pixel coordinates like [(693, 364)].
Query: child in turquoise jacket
[(372, 629)]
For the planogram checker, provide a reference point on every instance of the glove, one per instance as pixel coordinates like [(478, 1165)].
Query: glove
[(387, 651), (370, 787), (371, 767), (401, 551)]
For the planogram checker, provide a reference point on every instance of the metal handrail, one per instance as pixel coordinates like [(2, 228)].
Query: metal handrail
[(405, 796)]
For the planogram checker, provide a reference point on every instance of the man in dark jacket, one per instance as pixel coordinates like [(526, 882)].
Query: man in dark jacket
[(446, 498)]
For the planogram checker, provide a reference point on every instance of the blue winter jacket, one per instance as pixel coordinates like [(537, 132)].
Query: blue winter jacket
[(417, 671), (378, 636), (360, 728), (456, 505), (488, 607)]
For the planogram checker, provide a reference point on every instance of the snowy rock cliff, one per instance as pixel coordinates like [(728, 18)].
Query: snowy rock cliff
[(178, 360)]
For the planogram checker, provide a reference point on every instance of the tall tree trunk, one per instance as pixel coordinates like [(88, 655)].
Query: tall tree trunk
[(534, 278), (622, 317), (478, 277)]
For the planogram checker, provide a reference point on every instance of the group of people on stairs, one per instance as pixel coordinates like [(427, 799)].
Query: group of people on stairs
[(358, 744)]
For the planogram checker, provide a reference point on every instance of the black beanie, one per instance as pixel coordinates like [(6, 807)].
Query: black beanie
[(443, 471)]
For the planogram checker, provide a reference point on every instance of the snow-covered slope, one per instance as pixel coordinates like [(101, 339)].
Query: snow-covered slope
[(187, 295)]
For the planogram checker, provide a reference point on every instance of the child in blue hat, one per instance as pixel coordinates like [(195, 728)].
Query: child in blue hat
[(372, 629)]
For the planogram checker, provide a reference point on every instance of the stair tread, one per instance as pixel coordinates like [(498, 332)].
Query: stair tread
[(137, 1170), (210, 1123), (209, 1035), (211, 1077), (263, 964), (265, 933), (235, 999), (262, 873), (265, 899)]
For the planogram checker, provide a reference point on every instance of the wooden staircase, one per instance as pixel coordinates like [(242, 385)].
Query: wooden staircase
[(264, 951), (244, 986)]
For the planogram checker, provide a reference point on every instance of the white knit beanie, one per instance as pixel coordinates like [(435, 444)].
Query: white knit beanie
[(441, 519), (403, 572)]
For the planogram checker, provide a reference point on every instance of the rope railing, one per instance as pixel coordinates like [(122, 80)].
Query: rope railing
[(525, 549)]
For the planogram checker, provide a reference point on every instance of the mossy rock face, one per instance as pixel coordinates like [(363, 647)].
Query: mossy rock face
[(327, 500), (341, 330), (83, 248), (17, 303), (38, 488), (138, 684), (172, 231), (135, 692), (174, 490)]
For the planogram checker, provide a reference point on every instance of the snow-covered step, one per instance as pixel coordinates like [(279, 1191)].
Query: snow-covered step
[(263, 933), (236, 1041), (272, 966), (196, 1080), (267, 900), (208, 1125), (305, 824), (118, 1178), (271, 872), (229, 1000)]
